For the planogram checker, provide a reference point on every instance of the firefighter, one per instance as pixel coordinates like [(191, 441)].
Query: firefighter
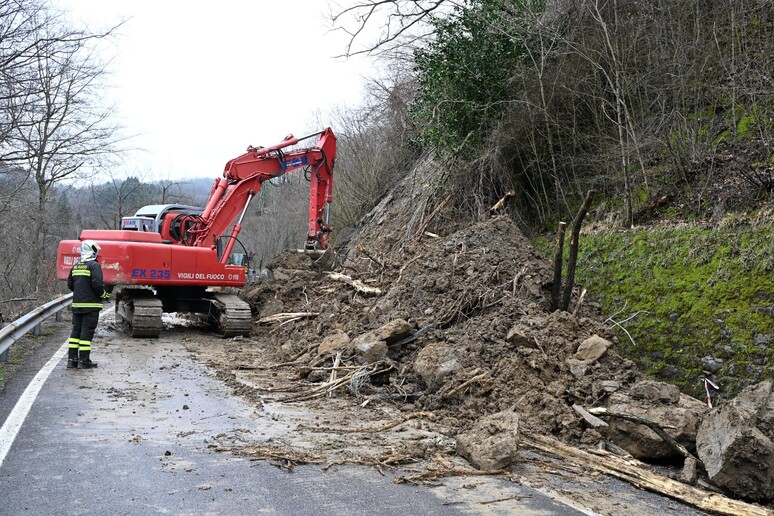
[(85, 280)]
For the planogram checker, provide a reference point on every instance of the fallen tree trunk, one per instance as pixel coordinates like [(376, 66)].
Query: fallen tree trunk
[(634, 472)]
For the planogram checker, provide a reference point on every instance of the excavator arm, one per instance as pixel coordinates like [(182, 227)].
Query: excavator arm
[(241, 182)]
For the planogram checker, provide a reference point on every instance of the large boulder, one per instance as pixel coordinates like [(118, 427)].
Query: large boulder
[(736, 443), (659, 402), (493, 441)]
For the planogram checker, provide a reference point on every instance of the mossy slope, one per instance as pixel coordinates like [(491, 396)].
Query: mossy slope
[(703, 299)]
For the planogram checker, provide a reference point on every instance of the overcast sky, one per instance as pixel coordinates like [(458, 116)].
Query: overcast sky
[(198, 85)]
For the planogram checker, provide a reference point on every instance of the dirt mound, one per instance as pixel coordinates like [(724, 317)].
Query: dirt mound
[(429, 320), (478, 296)]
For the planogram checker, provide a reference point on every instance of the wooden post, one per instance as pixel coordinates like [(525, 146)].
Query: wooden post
[(556, 287)]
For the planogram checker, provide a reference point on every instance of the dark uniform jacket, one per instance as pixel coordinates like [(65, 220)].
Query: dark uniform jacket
[(85, 280)]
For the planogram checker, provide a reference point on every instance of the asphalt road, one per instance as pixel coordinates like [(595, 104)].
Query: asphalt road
[(131, 437)]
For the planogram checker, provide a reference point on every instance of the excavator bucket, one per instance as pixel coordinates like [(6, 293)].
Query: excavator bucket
[(322, 260)]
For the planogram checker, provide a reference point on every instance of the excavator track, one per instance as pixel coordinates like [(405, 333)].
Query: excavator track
[(231, 315), (140, 311)]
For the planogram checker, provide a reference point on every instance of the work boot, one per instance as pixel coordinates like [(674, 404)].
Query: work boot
[(72, 358), (85, 362)]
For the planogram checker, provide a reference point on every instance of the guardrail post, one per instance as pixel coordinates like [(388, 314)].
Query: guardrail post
[(58, 316), (36, 330), (4, 354)]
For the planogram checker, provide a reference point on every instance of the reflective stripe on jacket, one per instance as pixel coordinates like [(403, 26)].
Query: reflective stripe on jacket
[(85, 280)]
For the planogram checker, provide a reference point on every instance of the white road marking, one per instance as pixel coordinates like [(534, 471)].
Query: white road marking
[(19, 413), (21, 409)]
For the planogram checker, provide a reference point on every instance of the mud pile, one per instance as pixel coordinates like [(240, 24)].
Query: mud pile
[(475, 300), (429, 319)]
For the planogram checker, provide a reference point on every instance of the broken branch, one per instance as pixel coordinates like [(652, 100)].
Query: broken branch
[(467, 383), (573, 260), (362, 249), (590, 418), (502, 202), (286, 317), (356, 284), (374, 428), (556, 287)]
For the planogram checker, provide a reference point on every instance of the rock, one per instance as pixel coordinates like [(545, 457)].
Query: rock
[(370, 352), (391, 332), (578, 368), (434, 364), (610, 385), (493, 441), (338, 341), (643, 443), (271, 307), (281, 274), (711, 363), (592, 349), (517, 337), (652, 390), (318, 376), (670, 371), (761, 340), (690, 471), (736, 443)]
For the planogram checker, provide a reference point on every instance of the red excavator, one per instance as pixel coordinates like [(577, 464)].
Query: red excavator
[(172, 258)]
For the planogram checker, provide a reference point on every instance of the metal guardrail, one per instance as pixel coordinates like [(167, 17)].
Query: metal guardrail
[(17, 329)]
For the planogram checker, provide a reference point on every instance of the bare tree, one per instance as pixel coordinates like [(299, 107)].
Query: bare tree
[(59, 130), (396, 22), (171, 191), (117, 198)]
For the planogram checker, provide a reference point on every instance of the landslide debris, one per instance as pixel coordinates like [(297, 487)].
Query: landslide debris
[(434, 317), (480, 296)]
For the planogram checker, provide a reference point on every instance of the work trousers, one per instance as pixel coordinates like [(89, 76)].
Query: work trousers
[(84, 326)]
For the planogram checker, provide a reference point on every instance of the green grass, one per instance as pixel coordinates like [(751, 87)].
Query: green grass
[(701, 297), (24, 347)]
